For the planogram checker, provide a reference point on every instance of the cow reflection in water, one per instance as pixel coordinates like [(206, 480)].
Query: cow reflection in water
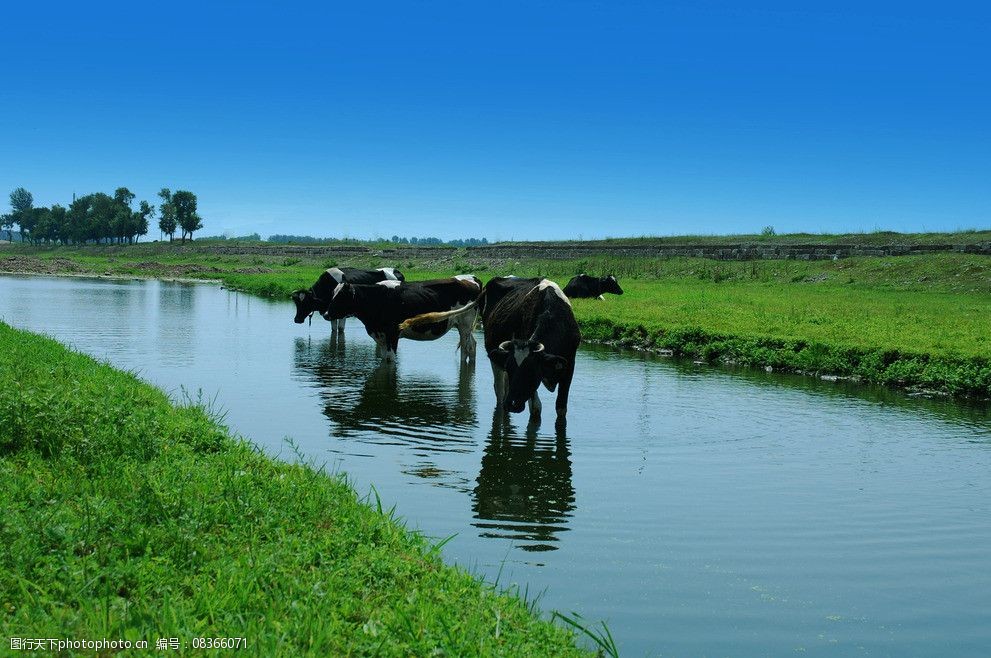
[(367, 399), (524, 489)]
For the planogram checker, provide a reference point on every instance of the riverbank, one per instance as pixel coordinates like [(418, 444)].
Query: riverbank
[(128, 518), (911, 321)]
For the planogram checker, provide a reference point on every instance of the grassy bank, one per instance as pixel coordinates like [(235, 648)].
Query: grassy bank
[(125, 517), (913, 321)]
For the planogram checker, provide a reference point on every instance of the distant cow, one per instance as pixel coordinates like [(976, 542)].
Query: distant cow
[(317, 298), (382, 307), (584, 285), (531, 336)]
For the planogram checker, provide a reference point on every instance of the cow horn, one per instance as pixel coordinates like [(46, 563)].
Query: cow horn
[(539, 347), (505, 345)]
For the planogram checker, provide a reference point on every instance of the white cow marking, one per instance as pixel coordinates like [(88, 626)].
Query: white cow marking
[(339, 287), (336, 274), (389, 283), (390, 273), (520, 354), (547, 283)]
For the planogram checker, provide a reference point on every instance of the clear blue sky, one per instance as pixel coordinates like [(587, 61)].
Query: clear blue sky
[(529, 120)]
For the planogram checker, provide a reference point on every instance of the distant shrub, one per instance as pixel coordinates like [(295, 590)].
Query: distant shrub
[(768, 230)]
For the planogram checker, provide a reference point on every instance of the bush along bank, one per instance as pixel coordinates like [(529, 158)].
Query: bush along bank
[(945, 375), (131, 519)]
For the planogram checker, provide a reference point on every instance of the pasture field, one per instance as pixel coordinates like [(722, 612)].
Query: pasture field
[(128, 518), (918, 321)]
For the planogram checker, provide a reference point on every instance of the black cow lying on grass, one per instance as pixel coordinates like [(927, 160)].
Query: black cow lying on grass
[(584, 285), (531, 337), (383, 306), (317, 298)]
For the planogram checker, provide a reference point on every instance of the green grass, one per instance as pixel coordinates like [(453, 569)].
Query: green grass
[(916, 321), (126, 517)]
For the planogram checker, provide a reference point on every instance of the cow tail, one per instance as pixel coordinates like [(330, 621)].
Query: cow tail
[(425, 319)]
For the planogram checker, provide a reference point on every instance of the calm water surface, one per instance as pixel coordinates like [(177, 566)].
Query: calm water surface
[(699, 512)]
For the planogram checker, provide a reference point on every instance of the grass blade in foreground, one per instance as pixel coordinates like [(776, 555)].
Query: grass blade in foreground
[(128, 518)]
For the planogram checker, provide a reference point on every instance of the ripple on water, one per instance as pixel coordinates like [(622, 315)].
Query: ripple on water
[(698, 511)]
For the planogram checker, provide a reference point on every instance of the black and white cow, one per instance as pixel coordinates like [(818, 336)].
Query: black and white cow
[(584, 285), (317, 298), (531, 337), (383, 306)]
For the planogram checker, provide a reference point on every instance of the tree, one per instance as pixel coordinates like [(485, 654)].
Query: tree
[(101, 216), (124, 197), (121, 216), (57, 229), (141, 217), (188, 219), (167, 218), (41, 225), (28, 219), (77, 227), (119, 222), (21, 204)]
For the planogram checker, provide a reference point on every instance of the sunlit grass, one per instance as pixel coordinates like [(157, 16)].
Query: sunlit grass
[(126, 517)]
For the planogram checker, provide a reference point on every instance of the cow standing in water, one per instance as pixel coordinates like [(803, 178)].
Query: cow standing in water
[(584, 285), (384, 306), (531, 337), (317, 298)]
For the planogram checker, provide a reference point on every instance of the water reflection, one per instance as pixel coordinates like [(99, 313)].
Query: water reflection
[(174, 333), (370, 401), (524, 489)]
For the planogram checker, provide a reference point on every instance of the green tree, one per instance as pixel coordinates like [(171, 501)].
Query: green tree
[(124, 197), (100, 217), (166, 214), (77, 220), (120, 224), (123, 223), (29, 221), (189, 220), (57, 229), (41, 225), (139, 221), (21, 204)]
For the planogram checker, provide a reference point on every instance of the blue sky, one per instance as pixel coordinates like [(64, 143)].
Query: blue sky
[(528, 120)]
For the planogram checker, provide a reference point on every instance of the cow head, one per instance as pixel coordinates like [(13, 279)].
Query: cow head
[(527, 364), (610, 284), (306, 304)]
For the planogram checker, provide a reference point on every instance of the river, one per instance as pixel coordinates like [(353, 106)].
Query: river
[(697, 510)]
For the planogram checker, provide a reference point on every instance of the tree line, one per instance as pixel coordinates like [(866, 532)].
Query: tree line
[(309, 239), (100, 218)]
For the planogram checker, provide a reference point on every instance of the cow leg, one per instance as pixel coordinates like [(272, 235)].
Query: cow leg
[(340, 325), (601, 298), (465, 323), (563, 388), (391, 345), (499, 383), (535, 405), (379, 343)]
